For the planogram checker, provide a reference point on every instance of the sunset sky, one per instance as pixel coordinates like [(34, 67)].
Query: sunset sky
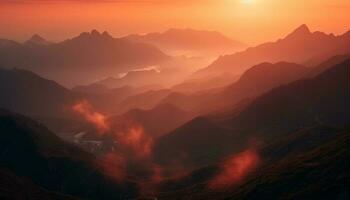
[(250, 21)]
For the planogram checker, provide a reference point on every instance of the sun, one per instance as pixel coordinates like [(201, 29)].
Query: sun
[(247, 2)]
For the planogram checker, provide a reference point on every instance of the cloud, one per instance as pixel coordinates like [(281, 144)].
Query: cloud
[(235, 169), (97, 119)]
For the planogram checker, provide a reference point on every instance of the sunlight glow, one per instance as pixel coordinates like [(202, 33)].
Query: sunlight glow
[(247, 2)]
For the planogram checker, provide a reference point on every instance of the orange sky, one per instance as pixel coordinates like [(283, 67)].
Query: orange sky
[(251, 21)]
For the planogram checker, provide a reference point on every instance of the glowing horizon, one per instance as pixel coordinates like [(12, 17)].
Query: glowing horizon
[(238, 19)]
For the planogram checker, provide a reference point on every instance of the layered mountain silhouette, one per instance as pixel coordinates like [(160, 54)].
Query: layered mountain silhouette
[(272, 121), (146, 100), (158, 121), (327, 64), (31, 151), (122, 92), (316, 156), (262, 78), (254, 82), (321, 170), (166, 74), (194, 143), (190, 41), (276, 114), (8, 43), (192, 86), (94, 89), (301, 46), (155, 122), (134, 79), (27, 93), (99, 54), (305, 133)]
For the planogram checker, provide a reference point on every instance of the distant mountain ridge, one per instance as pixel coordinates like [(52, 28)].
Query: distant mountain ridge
[(37, 40), (190, 41), (300, 47), (254, 82), (159, 120), (133, 79), (27, 93), (84, 58)]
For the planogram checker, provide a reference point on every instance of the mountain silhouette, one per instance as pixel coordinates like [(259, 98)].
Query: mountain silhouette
[(313, 155), (262, 78), (254, 82), (8, 43), (326, 179), (190, 41), (157, 121), (87, 57), (27, 93), (327, 65), (192, 86), (30, 150), (275, 114), (304, 130), (300, 47), (37, 40), (93, 89), (134, 79), (194, 143), (145, 100)]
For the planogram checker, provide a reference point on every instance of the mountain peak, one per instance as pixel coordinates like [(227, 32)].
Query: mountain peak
[(95, 33), (37, 39), (300, 31), (347, 34), (105, 33), (303, 29)]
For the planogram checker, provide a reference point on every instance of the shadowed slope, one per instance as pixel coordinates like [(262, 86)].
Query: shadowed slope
[(30, 150), (278, 113), (27, 93), (254, 82), (310, 164)]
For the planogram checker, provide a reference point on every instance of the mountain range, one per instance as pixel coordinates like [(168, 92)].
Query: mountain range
[(300, 132), (270, 122), (134, 79), (189, 41), (301, 46), (157, 121), (99, 54), (254, 82), (27, 93), (102, 55), (275, 114)]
